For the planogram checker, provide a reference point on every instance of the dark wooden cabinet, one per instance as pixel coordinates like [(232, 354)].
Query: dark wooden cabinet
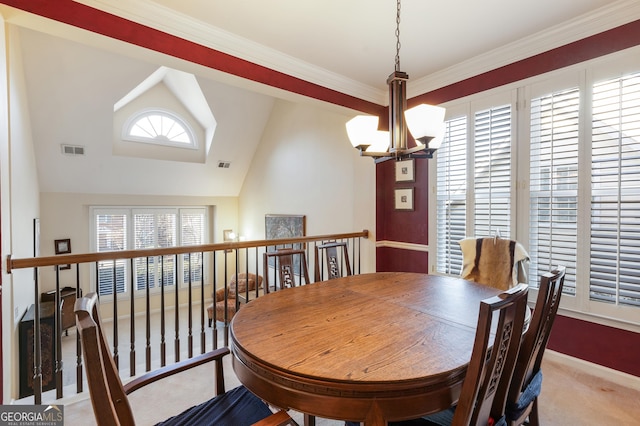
[(67, 300), (47, 344)]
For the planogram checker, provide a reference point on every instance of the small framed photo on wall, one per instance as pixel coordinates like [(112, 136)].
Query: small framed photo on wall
[(405, 170), (63, 246), (404, 199)]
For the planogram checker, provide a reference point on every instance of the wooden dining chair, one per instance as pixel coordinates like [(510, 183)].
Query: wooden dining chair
[(334, 266), (109, 396), (484, 390), (493, 261), (526, 384), (288, 264)]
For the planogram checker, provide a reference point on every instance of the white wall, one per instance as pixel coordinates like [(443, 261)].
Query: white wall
[(66, 215), (306, 165), (20, 203)]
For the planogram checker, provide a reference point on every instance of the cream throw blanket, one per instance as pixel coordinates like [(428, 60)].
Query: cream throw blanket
[(493, 261)]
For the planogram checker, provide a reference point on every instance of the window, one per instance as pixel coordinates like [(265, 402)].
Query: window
[(615, 191), (553, 184), (473, 191), (566, 184), (143, 228), (452, 196), (159, 127), (492, 172)]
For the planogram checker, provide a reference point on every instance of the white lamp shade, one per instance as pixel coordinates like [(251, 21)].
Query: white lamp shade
[(380, 142), (362, 130), (424, 120)]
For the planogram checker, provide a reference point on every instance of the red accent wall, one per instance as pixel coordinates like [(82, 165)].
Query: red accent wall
[(612, 347), (399, 225), (389, 259), (601, 44)]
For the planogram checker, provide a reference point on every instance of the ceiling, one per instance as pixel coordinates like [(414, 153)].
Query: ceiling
[(341, 43), (347, 46)]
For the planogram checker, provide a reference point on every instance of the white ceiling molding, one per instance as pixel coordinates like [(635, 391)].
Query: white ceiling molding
[(183, 26), (606, 18), (167, 20)]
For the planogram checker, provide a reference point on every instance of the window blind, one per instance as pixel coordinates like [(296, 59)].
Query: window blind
[(492, 172), (111, 235), (149, 228), (167, 233), (192, 233), (554, 185), (144, 226), (451, 196), (615, 191)]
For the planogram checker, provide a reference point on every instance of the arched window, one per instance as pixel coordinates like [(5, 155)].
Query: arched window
[(161, 128)]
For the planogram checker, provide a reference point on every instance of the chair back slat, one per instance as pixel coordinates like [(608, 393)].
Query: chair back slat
[(285, 265), (494, 354), (535, 339), (334, 263), (108, 397)]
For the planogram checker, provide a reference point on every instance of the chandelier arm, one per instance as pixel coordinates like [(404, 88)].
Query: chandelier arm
[(398, 36), (426, 121)]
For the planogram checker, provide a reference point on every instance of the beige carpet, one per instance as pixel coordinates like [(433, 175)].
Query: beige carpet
[(569, 397), (570, 394)]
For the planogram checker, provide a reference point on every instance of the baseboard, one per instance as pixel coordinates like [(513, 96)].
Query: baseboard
[(602, 372)]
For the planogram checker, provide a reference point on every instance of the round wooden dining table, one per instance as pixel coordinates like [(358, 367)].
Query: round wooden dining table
[(371, 348)]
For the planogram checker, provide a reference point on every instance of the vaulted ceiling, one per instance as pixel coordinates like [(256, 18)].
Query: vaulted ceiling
[(342, 49)]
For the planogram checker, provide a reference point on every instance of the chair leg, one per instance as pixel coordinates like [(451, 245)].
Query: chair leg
[(309, 420), (534, 420)]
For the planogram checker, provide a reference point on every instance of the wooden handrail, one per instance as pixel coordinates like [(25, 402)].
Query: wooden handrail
[(31, 262)]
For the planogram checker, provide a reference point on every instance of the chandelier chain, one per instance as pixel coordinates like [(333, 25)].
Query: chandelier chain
[(398, 37)]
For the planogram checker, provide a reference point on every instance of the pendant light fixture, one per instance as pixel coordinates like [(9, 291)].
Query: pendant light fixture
[(425, 122)]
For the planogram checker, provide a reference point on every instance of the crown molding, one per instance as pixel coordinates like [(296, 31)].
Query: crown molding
[(608, 17), (169, 21)]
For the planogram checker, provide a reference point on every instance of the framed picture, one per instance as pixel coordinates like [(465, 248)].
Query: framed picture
[(404, 199), (405, 170), (279, 226), (63, 246)]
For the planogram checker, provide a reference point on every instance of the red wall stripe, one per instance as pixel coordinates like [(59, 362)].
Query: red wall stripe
[(94, 20), (592, 47)]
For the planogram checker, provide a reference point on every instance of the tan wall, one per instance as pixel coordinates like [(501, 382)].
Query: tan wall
[(305, 165), (20, 204)]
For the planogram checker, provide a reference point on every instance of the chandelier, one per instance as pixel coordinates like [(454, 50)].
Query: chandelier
[(425, 122)]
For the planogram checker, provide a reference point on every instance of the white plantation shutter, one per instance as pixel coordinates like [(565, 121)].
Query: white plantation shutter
[(167, 237), (451, 196), (553, 226), (145, 237), (137, 228), (492, 172), (192, 233), (111, 235), (615, 191), (577, 165)]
